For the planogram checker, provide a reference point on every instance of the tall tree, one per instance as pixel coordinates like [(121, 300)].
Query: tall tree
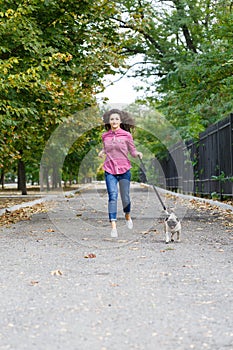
[(186, 46), (53, 55)]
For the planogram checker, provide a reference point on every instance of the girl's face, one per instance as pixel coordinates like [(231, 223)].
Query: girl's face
[(115, 121)]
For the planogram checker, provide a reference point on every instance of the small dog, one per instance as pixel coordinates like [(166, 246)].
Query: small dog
[(172, 225)]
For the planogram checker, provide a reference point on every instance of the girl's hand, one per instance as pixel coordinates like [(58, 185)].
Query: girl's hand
[(140, 155), (101, 153)]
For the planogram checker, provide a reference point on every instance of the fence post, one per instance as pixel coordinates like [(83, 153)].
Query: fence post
[(231, 148)]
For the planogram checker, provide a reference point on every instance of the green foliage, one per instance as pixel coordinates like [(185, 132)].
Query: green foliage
[(82, 161), (222, 177), (187, 50), (53, 55)]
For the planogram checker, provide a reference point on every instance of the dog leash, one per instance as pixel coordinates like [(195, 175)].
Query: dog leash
[(154, 188)]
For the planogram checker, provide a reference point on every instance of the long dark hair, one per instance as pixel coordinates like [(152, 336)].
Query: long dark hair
[(127, 121)]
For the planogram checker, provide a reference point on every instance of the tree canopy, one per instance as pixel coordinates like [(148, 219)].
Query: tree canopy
[(186, 46), (54, 55)]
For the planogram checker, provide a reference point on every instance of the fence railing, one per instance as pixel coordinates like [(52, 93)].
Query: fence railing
[(211, 156)]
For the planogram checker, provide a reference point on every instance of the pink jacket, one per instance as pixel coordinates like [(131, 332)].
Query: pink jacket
[(117, 145)]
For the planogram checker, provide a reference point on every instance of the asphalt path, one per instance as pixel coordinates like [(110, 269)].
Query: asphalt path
[(66, 284)]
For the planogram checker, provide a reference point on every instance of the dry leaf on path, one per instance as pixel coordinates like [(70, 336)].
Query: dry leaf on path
[(90, 256), (34, 283), (145, 232), (50, 230), (114, 284), (56, 273)]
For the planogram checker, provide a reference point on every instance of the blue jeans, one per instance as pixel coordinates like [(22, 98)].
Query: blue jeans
[(112, 188)]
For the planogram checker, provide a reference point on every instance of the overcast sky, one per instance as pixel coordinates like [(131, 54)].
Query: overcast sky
[(121, 91)]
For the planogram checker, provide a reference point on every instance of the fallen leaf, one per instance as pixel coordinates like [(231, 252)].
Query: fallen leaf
[(56, 273), (33, 283), (145, 232), (71, 195), (90, 256), (50, 230)]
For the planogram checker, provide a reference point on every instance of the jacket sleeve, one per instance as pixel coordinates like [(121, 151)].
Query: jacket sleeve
[(131, 147), (103, 139)]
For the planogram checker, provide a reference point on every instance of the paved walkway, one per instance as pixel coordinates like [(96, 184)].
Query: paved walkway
[(65, 284)]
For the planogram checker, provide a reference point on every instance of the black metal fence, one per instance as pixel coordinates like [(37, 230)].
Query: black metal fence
[(203, 166)]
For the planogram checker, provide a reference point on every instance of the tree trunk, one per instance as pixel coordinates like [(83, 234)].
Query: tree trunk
[(2, 178), (56, 179), (22, 177), (47, 179)]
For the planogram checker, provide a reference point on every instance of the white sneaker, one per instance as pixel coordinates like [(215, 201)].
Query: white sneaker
[(129, 224), (114, 233)]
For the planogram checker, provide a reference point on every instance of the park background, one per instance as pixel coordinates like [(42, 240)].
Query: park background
[(57, 57)]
